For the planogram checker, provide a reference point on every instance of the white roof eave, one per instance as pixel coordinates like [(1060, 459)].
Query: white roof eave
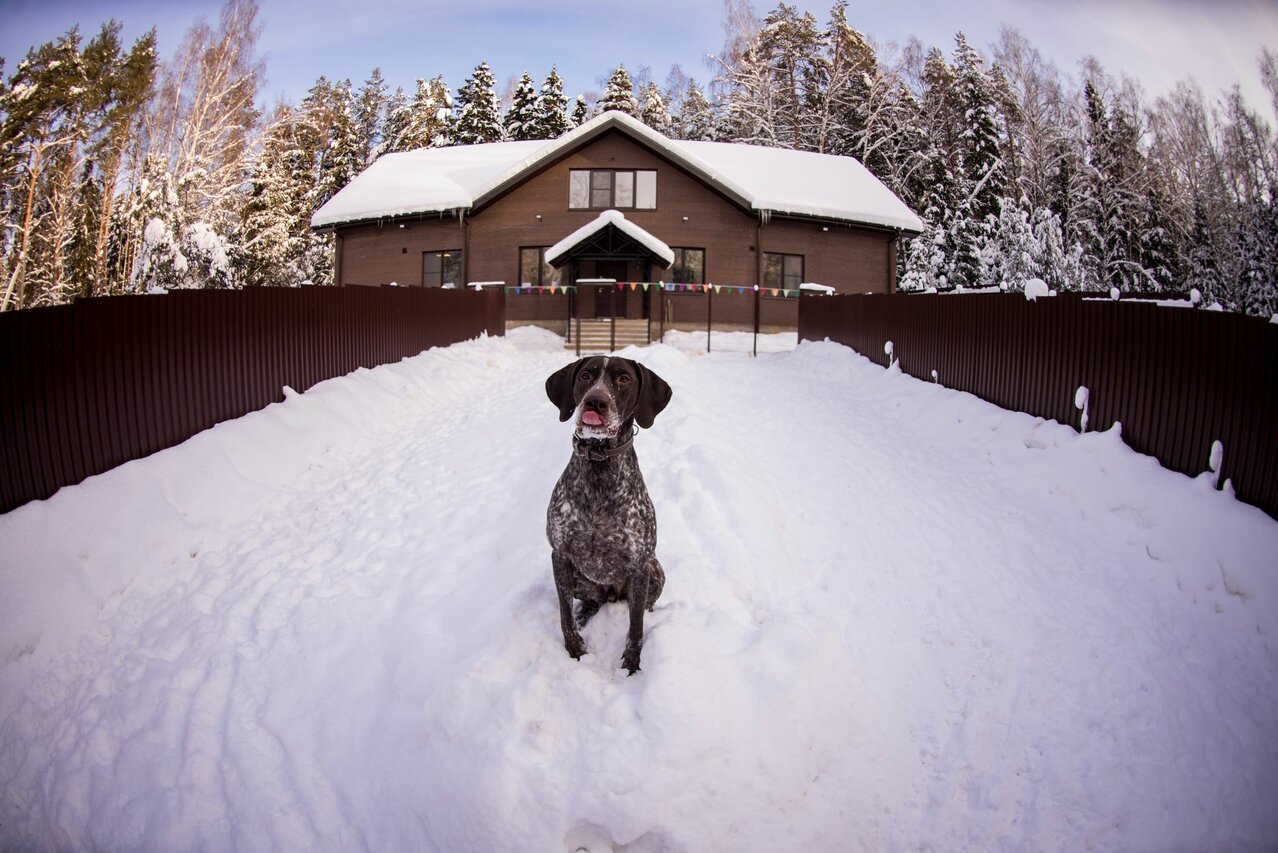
[(618, 220)]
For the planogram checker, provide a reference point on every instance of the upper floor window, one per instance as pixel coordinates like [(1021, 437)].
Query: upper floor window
[(689, 267), (784, 272), (600, 189), (442, 269), (533, 269)]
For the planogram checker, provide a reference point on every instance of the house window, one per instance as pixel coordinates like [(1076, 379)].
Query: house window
[(533, 269), (689, 267), (600, 189), (784, 272), (442, 269)]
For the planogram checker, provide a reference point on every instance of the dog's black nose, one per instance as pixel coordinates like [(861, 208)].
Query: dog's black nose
[(596, 404)]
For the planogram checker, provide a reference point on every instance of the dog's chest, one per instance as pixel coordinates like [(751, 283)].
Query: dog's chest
[(605, 525)]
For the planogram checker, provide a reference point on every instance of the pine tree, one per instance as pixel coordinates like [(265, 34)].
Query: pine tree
[(982, 163), (1204, 265), (425, 122), (944, 191), (478, 116), (268, 238), (695, 121), (654, 111), (331, 139), (619, 94), (395, 117), (981, 176), (551, 109), (155, 215), (370, 108), (1259, 250), (521, 120), (580, 111), (132, 86), (857, 98)]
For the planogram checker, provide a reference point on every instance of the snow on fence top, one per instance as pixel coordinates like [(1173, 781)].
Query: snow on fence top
[(775, 180), (617, 219)]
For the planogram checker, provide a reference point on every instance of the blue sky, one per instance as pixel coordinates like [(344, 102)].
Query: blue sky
[(1155, 41)]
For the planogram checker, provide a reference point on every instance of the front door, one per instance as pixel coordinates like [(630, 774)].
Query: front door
[(604, 295)]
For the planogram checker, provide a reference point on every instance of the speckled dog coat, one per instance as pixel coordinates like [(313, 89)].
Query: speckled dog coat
[(601, 524)]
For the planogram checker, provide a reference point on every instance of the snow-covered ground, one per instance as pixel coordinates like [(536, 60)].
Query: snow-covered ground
[(895, 617), (737, 342)]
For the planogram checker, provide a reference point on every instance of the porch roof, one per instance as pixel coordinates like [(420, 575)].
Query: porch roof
[(557, 254)]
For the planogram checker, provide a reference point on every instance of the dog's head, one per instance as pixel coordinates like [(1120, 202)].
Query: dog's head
[(604, 393)]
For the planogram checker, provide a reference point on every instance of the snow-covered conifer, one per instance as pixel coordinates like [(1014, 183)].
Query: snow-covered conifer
[(426, 121), (478, 116), (653, 110), (551, 109), (521, 120), (370, 108), (619, 94), (580, 111), (695, 120)]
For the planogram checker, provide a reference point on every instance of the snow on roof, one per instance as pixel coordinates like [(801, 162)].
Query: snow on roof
[(617, 219), (807, 183), (421, 181), (764, 179)]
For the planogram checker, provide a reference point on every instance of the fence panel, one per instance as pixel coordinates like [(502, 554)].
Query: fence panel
[(1177, 379), (88, 386)]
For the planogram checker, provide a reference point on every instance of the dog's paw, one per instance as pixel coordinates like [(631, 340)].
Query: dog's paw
[(630, 660), (575, 647)]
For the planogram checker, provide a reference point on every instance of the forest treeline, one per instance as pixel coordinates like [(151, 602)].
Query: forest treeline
[(120, 173)]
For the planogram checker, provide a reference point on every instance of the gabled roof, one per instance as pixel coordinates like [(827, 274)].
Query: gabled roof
[(773, 180), (614, 218)]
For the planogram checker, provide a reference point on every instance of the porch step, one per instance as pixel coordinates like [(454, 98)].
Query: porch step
[(596, 335)]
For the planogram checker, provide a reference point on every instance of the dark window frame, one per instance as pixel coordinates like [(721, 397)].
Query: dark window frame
[(612, 189), (542, 267), (681, 263), (440, 253), (784, 256)]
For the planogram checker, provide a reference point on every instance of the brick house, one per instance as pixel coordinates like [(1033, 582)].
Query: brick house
[(539, 214)]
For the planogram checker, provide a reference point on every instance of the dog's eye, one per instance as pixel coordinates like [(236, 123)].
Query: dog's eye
[(585, 376), (623, 379)]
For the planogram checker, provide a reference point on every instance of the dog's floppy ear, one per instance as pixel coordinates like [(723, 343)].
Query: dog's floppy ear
[(559, 388), (654, 395)]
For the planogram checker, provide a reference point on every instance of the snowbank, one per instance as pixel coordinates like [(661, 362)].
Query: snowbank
[(895, 617)]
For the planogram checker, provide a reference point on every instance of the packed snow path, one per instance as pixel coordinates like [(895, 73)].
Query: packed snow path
[(895, 617)]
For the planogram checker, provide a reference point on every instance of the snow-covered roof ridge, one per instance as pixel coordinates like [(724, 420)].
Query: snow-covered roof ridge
[(617, 219), (777, 180)]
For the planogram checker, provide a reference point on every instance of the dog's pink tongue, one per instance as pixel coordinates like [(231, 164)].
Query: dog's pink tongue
[(591, 419)]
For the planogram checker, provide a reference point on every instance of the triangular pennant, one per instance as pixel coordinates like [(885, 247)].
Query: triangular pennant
[(717, 288), (774, 291), (633, 285)]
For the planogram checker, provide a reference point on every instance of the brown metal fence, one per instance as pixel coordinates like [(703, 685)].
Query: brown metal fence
[(1176, 378), (91, 385)]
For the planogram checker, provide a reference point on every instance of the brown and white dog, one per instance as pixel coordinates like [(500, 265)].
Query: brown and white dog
[(601, 524)]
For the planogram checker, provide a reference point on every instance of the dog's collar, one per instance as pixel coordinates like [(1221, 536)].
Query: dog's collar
[(595, 453)]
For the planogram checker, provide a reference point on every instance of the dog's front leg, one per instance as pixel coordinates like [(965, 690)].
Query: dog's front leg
[(637, 598), (565, 583)]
